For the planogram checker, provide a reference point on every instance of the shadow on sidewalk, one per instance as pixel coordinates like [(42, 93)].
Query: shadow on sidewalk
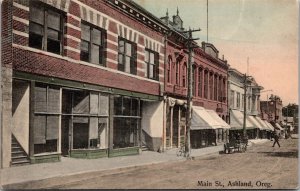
[(288, 154)]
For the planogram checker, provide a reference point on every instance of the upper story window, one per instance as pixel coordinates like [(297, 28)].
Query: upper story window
[(211, 76), (92, 44), (151, 59), (216, 88), (177, 72), (238, 101), (45, 28), (184, 75), (220, 93), (194, 80), (127, 56), (232, 98), (200, 78), (205, 84), (169, 70), (243, 97)]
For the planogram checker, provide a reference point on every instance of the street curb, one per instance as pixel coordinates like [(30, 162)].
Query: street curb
[(103, 171)]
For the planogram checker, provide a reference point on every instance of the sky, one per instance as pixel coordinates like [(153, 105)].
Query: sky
[(265, 31)]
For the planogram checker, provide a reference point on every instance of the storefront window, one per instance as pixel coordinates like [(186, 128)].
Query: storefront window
[(89, 123), (126, 122), (46, 118)]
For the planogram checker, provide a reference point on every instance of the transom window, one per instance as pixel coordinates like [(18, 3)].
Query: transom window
[(127, 56), (151, 59), (45, 28), (92, 44)]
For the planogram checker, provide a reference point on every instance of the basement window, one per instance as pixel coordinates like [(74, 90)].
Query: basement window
[(45, 28)]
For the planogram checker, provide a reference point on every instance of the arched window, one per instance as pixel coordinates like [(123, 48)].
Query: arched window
[(220, 93), (211, 75), (216, 87), (205, 84), (194, 80), (224, 90), (177, 67), (169, 70), (200, 81), (184, 75)]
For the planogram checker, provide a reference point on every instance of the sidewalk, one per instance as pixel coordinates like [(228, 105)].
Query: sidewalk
[(72, 166)]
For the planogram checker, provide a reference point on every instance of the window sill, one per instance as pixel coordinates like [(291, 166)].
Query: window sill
[(45, 154)]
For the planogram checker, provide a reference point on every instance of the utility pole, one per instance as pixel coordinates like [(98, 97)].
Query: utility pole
[(245, 105), (190, 48)]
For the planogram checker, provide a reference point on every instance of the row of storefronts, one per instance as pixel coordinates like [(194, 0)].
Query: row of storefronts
[(106, 79)]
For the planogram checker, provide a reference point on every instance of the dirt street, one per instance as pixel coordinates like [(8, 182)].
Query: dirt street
[(261, 167)]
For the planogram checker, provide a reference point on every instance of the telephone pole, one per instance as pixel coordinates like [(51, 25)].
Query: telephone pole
[(190, 47), (245, 105)]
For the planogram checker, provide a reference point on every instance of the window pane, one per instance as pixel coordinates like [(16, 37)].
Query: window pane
[(37, 14), (53, 34), (54, 100), (53, 20), (93, 132), (151, 58), (135, 107), (95, 54), (39, 129), (126, 106), (118, 105), (53, 46), (84, 46), (35, 41), (37, 29), (104, 100), (81, 102), (80, 132), (146, 56), (96, 36), (85, 32), (52, 127), (128, 49), (127, 64), (40, 97), (121, 46), (151, 71), (94, 103)]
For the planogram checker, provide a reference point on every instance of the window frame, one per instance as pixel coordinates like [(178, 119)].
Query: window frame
[(102, 46), (200, 81), (155, 64), (133, 57), (46, 8)]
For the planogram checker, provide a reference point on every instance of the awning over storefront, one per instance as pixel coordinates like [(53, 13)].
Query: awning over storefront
[(223, 124), (255, 123), (279, 127), (236, 120), (263, 124), (269, 125), (201, 119)]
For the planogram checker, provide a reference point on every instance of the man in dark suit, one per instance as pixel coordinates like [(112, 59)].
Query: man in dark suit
[(276, 139)]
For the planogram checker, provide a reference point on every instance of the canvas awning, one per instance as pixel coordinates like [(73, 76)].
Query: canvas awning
[(236, 120), (201, 119), (222, 123), (255, 123), (269, 125), (279, 127), (264, 125)]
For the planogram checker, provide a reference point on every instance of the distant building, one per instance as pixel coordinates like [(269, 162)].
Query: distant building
[(273, 109), (236, 93)]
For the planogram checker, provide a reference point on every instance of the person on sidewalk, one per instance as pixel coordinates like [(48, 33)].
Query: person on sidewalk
[(276, 139)]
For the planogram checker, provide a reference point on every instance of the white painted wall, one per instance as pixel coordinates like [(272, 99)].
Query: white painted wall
[(152, 120), (20, 122)]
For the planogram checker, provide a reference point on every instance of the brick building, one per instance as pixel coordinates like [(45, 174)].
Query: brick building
[(80, 78), (102, 78), (209, 84)]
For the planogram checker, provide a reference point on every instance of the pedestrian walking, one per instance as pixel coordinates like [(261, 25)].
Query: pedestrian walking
[(276, 139)]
